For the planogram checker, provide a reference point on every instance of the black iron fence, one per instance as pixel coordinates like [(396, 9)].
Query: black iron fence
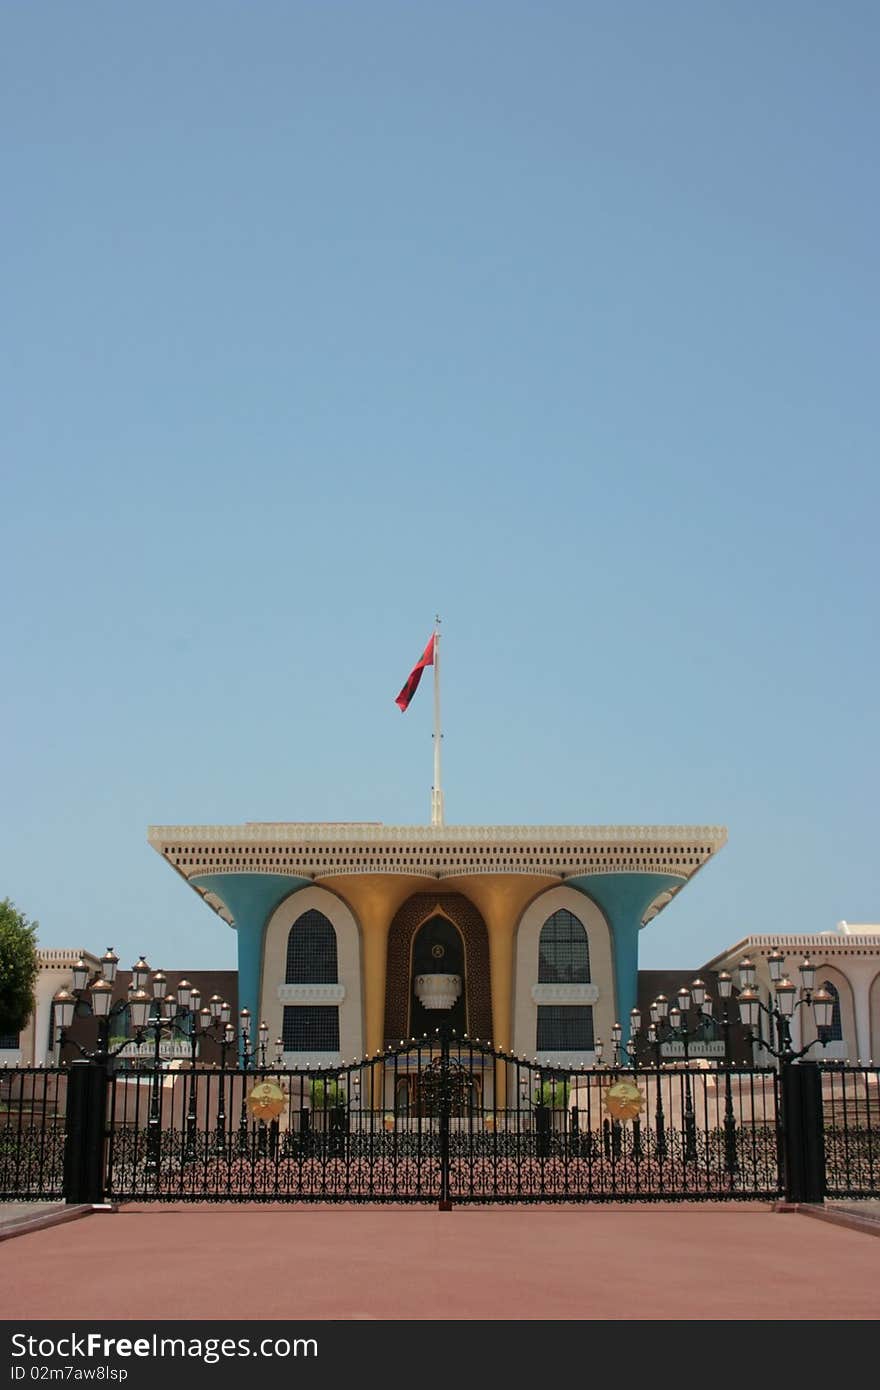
[(439, 1120), (851, 1130), (33, 1128)]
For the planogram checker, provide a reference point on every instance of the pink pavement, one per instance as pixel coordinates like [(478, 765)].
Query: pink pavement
[(297, 1262)]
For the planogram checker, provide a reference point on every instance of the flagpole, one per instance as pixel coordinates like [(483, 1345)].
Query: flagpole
[(437, 791)]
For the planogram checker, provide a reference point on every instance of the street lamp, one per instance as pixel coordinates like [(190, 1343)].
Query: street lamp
[(93, 998), (787, 1000), (179, 1012), (151, 1010), (800, 1087), (673, 1021), (244, 1019)]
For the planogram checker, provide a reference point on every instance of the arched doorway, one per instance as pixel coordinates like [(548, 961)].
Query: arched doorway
[(437, 950), (473, 942)]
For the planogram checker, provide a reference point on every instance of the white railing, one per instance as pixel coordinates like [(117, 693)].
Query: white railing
[(168, 1049)]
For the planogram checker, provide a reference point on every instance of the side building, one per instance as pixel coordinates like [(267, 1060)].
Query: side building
[(847, 965)]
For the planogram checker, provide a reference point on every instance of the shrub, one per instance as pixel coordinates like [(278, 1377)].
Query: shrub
[(554, 1094), (325, 1093)]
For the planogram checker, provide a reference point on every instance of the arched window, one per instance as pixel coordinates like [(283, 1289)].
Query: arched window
[(835, 1032), (311, 951), (563, 952), (311, 960), (564, 959)]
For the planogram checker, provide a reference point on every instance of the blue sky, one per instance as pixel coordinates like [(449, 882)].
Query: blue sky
[(558, 319)]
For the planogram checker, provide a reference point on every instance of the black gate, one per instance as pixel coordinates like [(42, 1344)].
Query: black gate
[(442, 1120)]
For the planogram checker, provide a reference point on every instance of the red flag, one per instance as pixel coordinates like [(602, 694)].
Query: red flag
[(415, 675)]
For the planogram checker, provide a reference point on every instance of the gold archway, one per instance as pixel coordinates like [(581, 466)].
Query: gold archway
[(465, 917)]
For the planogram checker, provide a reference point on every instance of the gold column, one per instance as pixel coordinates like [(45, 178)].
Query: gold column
[(375, 924), (501, 928), (501, 900), (374, 901)]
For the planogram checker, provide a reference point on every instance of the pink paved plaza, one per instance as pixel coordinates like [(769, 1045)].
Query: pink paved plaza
[(499, 1263)]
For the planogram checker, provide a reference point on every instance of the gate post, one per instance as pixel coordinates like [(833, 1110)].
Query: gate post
[(803, 1135), (85, 1124)]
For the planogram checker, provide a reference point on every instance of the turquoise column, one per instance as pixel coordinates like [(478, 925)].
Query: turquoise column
[(250, 899), (624, 899)]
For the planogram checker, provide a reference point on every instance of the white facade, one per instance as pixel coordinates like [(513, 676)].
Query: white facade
[(345, 993), (529, 993)]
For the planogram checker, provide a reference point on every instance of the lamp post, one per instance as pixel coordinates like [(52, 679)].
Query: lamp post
[(94, 997), (725, 990), (784, 1006), (151, 1011), (654, 1040), (226, 1041), (673, 1023), (209, 1021), (246, 1063), (100, 1006), (155, 1012), (676, 1020), (800, 1104), (181, 1013), (635, 1023)]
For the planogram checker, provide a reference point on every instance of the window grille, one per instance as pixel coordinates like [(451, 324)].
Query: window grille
[(565, 1028), (563, 952), (311, 951), (311, 1028)]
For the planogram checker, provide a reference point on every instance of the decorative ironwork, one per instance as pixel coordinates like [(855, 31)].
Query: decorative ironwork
[(444, 1081), (451, 1120), (850, 1103), (33, 1132), (438, 1119)]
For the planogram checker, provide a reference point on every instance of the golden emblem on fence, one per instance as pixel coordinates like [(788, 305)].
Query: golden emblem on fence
[(623, 1100), (266, 1100)]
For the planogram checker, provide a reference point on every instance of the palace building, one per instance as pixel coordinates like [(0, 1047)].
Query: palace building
[(355, 936)]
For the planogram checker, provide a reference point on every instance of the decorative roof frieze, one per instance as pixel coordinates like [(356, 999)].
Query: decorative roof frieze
[(321, 851)]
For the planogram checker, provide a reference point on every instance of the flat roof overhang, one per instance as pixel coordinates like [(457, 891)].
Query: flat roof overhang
[(321, 851)]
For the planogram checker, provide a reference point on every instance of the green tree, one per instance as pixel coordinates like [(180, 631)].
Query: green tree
[(18, 967)]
